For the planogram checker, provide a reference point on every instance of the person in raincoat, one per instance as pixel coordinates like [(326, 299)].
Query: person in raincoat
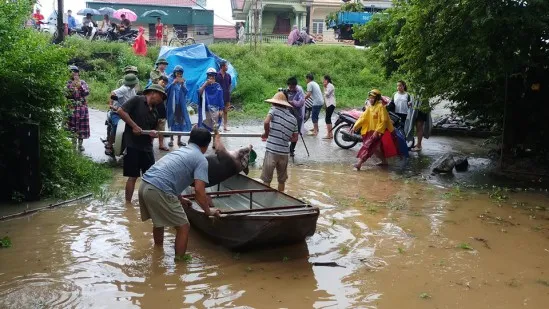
[(374, 123), (176, 105), (140, 45), (210, 109)]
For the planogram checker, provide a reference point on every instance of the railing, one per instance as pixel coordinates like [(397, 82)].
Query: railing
[(267, 38)]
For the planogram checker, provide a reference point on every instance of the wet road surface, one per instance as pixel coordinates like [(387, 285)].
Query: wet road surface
[(402, 243)]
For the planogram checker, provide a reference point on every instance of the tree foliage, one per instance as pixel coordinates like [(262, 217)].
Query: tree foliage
[(33, 73), (478, 54)]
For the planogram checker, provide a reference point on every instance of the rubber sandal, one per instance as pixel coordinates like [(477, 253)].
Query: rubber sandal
[(327, 137), (356, 166), (164, 148), (415, 149), (181, 144), (109, 152), (170, 144)]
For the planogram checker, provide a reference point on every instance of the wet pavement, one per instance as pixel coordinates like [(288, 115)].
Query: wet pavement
[(401, 242)]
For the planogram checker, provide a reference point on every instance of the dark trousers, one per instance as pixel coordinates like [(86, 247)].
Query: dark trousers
[(297, 115)]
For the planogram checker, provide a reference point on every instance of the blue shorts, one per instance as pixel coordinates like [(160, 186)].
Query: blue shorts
[(316, 113)]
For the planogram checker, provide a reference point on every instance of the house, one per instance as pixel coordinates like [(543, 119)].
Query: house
[(186, 18), (224, 33), (276, 17)]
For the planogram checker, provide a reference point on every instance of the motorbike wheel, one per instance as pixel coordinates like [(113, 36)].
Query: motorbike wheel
[(338, 137)]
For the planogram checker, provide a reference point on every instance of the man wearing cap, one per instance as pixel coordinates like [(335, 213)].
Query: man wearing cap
[(280, 129), (117, 99), (156, 75), (212, 103), (224, 79), (140, 114), (160, 191), (130, 69)]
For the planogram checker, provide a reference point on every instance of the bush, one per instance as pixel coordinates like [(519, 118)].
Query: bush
[(353, 71), (32, 90)]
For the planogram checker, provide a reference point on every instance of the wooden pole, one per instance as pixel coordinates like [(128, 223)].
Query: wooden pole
[(60, 24), (222, 134)]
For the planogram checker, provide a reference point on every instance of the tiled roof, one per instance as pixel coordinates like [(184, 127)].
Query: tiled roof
[(224, 32), (179, 3)]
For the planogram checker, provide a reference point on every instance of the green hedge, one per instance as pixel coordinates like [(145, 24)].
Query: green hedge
[(33, 76)]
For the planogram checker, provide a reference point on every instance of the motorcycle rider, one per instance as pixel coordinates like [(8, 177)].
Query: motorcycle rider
[(89, 26)]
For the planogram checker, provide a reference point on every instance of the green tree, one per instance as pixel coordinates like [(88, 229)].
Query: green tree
[(479, 54), (33, 73)]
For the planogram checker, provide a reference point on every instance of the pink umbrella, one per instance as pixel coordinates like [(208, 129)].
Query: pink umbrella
[(129, 14)]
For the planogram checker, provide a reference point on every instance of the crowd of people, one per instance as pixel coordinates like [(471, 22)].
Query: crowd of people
[(163, 104), (90, 27)]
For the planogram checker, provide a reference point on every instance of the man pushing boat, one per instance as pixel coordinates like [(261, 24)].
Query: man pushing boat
[(160, 192)]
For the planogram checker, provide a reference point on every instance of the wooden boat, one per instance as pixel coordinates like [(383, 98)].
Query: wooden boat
[(253, 215)]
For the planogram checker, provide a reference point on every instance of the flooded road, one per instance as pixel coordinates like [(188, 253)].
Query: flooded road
[(400, 244)]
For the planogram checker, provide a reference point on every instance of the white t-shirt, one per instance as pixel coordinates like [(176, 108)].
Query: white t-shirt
[(316, 94), (329, 95), (401, 103), (123, 93)]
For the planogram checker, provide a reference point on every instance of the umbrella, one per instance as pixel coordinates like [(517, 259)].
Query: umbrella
[(87, 11), (154, 13), (107, 10), (129, 14)]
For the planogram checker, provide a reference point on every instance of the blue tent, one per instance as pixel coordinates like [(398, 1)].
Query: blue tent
[(195, 60)]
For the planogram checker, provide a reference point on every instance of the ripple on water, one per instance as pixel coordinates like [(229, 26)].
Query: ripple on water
[(39, 291)]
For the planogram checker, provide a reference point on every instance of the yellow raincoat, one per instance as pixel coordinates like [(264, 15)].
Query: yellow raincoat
[(375, 118)]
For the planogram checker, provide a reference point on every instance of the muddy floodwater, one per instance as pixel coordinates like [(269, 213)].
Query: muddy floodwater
[(398, 243)]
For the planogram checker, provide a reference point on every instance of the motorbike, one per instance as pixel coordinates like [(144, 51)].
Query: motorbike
[(347, 140), (113, 36)]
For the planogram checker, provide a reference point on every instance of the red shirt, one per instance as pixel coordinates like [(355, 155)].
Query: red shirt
[(159, 30), (37, 17)]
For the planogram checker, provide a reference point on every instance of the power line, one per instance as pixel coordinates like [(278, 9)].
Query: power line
[(230, 22)]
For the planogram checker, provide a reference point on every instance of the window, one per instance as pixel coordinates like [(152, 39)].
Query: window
[(202, 30), (318, 26)]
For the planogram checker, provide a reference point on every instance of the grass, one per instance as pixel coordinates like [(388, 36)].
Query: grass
[(543, 282), (424, 296), (260, 73), (184, 258), (465, 246), (5, 242)]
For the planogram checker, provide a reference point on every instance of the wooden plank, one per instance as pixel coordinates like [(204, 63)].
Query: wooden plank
[(230, 192), (222, 134)]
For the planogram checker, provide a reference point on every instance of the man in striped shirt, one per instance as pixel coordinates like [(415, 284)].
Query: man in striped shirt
[(280, 129)]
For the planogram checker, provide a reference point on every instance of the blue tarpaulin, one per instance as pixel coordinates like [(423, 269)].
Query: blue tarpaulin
[(195, 60)]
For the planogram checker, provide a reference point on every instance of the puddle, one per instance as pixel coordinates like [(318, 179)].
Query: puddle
[(401, 244)]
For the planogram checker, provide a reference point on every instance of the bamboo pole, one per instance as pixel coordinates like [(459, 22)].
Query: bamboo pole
[(28, 212), (222, 134)]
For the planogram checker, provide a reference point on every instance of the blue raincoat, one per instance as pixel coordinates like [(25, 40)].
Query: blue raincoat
[(176, 106), (209, 106)]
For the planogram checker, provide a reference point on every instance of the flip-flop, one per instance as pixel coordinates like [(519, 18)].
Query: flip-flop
[(327, 137), (170, 144), (415, 149), (164, 148), (181, 144)]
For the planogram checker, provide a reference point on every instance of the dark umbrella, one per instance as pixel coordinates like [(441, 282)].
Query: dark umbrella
[(154, 13), (87, 11), (106, 10)]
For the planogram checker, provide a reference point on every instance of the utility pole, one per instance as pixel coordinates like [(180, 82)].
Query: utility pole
[(256, 23), (60, 24)]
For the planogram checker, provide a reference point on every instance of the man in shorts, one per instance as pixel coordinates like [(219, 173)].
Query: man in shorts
[(140, 114), (314, 92), (160, 192), (280, 129)]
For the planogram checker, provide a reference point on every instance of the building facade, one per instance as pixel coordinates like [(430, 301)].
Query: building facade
[(275, 18), (186, 18)]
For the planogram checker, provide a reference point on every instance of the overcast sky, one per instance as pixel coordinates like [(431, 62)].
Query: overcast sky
[(222, 9)]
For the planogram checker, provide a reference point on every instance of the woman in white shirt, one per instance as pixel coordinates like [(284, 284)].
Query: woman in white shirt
[(401, 101), (105, 24), (330, 101)]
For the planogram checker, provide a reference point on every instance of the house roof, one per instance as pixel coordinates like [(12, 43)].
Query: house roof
[(178, 3), (224, 32)]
